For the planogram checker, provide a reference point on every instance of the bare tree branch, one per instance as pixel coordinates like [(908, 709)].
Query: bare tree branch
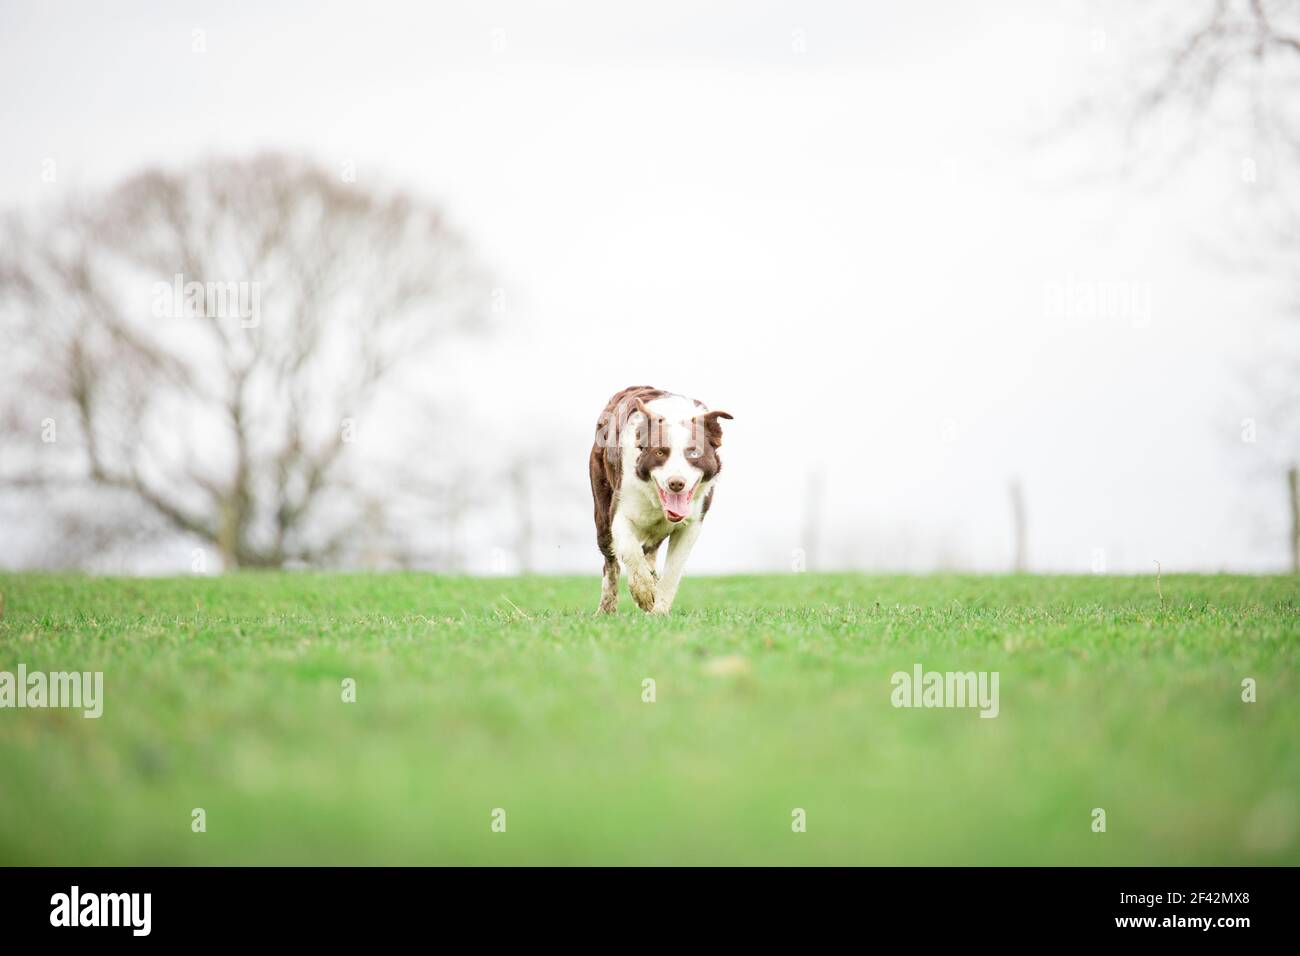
[(131, 322)]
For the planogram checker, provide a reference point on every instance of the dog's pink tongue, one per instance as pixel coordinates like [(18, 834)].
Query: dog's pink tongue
[(677, 503)]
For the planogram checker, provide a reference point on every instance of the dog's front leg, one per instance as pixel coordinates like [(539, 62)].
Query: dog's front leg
[(609, 587), (631, 551), (680, 543)]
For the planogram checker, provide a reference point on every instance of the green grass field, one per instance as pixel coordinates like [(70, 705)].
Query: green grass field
[(772, 693)]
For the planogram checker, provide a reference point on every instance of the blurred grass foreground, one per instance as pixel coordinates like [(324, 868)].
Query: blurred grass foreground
[(499, 721)]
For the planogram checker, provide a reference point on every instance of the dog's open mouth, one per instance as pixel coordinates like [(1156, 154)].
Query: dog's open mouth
[(677, 504)]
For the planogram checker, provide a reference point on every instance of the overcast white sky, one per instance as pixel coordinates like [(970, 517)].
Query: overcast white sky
[(825, 218)]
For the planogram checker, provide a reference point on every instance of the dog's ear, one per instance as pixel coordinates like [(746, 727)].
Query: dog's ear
[(651, 432), (713, 430)]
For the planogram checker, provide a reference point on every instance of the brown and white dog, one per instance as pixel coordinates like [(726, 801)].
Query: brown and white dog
[(653, 465)]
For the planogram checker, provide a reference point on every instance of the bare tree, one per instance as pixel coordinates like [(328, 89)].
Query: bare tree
[(1230, 68), (206, 346), (1198, 67)]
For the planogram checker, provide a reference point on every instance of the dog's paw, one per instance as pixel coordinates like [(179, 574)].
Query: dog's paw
[(642, 585)]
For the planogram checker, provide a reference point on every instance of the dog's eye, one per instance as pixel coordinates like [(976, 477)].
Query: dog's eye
[(661, 452), (693, 453)]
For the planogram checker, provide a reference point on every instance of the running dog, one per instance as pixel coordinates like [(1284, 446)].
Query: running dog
[(653, 467)]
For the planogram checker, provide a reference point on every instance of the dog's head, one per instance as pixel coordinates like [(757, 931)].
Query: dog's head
[(678, 456)]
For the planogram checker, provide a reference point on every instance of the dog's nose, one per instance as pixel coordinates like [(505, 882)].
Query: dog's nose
[(676, 484)]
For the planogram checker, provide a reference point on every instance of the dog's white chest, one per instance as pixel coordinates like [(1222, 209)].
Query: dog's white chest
[(640, 505)]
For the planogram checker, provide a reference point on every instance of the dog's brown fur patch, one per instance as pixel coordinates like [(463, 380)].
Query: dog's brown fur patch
[(606, 461)]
